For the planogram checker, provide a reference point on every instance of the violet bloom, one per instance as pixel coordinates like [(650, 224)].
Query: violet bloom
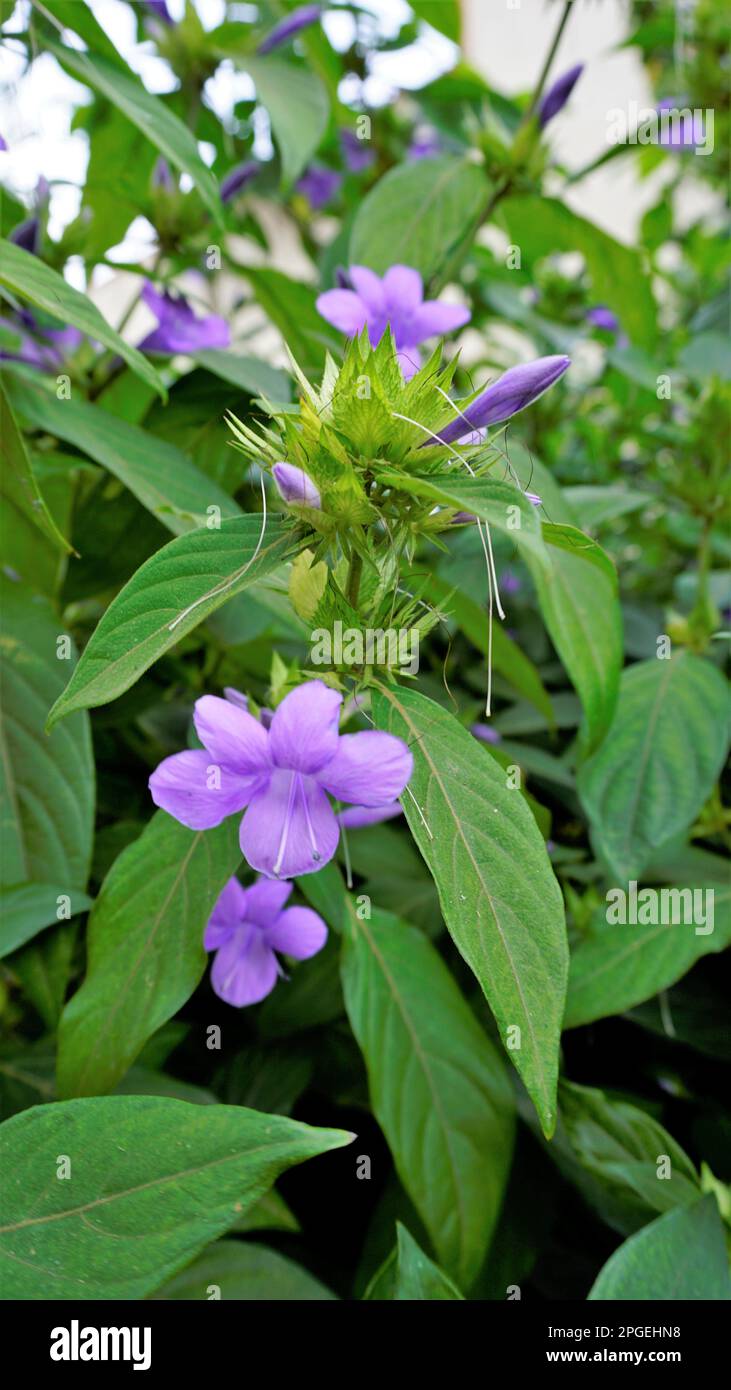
[(682, 128), (281, 775), (299, 19), (159, 9), (239, 177), (319, 185), (162, 176), (294, 485), (27, 235), (246, 927), (3, 143), (178, 328), (398, 300), (357, 816), (39, 346), (486, 733), (356, 153), (602, 317), (424, 145), (558, 94), (513, 391)]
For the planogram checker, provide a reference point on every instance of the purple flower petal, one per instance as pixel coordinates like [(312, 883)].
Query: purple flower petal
[(3, 143), (355, 817), (356, 153), (409, 360), (178, 328), (160, 10), (238, 178), (319, 185), (227, 915), (297, 932), (434, 317), (486, 733), (295, 486), (184, 786), (602, 317), (286, 29), (244, 969), (290, 828), (370, 288), (236, 697), (233, 738), (265, 899), (404, 289), (344, 309), (369, 768), (517, 388), (558, 94), (27, 235), (304, 731)]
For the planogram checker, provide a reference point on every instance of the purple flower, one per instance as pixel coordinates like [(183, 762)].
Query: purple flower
[(294, 485), (682, 129), (486, 733), (178, 328), (281, 775), (39, 346), (357, 816), (237, 179), (299, 19), (534, 498), (602, 317), (246, 927), (319, 185), (398, 300), (3, 143), (27, 235), (558, 94), (424, 145), (160, 10), (513, 391), (161, 175), (510, 583), (356, 153)]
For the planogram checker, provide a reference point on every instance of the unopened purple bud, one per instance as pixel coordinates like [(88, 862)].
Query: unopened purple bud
[(236, 697), (161, 175), (3, 143), (513, 391), (319, 185), (486, 733), (27, 235), (237, 179), (557, 95), (356, 153), (534, 498), (342, 279), (160, 10), (299, 19), (602, 317), (295, 486)]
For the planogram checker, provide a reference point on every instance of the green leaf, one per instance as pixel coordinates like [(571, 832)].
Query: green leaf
[(30, 278), (80, 18), (622, 1161), (271, 1213), (417, 1277), (679, 1258), (614, 967), (152, 1182), (46, 784), (145, 948), (237, 1269), (44, 969), (443, 15), (660, 760), (577, 593), (253, 375), (192, 575), (419, 214), (438, 1087), (542, 226), (290, 304), (501, 504), (18, 484), (161, 477), (298, 108), (29, 907), (499, 897), (156, 121)]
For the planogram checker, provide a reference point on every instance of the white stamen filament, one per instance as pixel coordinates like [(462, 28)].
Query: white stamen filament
[(285, 827), (308, 822)]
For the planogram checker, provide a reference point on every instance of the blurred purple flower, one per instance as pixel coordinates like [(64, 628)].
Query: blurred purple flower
[(237, 178), (159, 9), (424, 145), (27, 234), (602, 317), (684, 130), (178, 328), (3, 143), (319, 185), (357, 816), (162, 176), (398, 300), (299, 19), (294, 485), (281, 775), (510, 583), (534, 498), (558, 94), (513, 391), (39, 346), (486, 733), (245, 929), (356, 153)]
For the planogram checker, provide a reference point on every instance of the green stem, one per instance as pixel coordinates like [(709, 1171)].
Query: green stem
[(549, 58)]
